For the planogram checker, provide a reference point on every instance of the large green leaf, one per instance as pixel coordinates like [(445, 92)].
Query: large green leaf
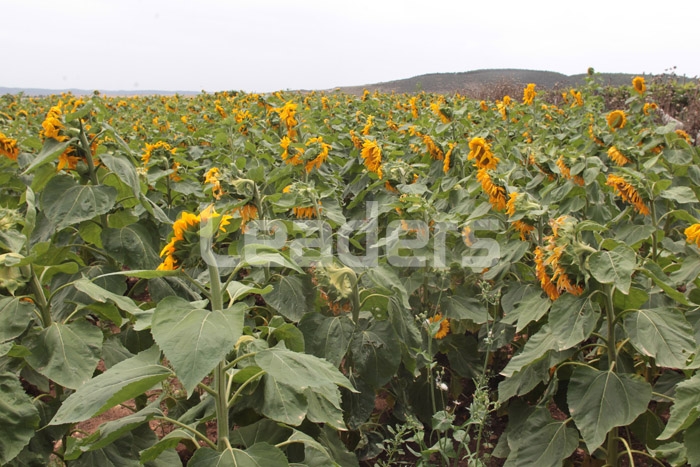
[(685, 409), (15, 317), (467, 308), (692, 435), (542, 441), (601, 400), (258, 455), (324, 406), (125, 452), (407, 332), (376, 353), (660, 278), (112, 430), (327, 336), (65, 202), (530, 375), (124, 169), (101, 295), (572, 320), (19, 417), (299, 370), (292, 296), (614, 267), (283, 402), (125, 380), (134, 246), (194, 339), (535, 349), (524, 304), (51, 150), (66, 353), (662, 333)]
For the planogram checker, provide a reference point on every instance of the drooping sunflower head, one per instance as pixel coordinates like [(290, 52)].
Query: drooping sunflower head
[(616, 119), (8, 147), (529, 94), (639, 85)]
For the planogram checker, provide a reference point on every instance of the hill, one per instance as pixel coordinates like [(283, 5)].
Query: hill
[(481, 83)]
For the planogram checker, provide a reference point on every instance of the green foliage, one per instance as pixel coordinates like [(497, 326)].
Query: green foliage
[(273, 278)]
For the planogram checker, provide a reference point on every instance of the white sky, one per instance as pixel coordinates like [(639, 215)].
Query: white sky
[(268, 45)]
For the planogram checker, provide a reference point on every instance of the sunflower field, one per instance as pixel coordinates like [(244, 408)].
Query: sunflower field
[(314, 279)]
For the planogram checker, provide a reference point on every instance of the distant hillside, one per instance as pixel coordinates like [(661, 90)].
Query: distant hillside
[(479, 82), (84, 92)]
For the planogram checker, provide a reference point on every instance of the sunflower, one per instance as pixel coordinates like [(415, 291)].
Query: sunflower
[(692, 234), (8, 147), (628, 193), (448, 157), (186, 230), (616, 119), (322, 155), (444, 329), (497, 194), (480, 151), (434, 150), (648, 107), (639, 85), (529, 94), (372, 155), (53, 125), (617, 157)]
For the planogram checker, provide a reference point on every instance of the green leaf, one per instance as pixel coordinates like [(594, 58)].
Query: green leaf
[(543, 441), (662, 333), (530, 375), (236, 290), (194, 340), (680, 194), (324, 407), (535, 349), (299, 370), (101, 295), (572, 320), (262, 255), (660, 278), (65, 202), (632, 233), (685, 409), (283, 402), (375, 352), (124, 169), (144, 274), (134, 246), (50, 151), (124, 381), (258, 455), (614, 267), (19, 418), (169, 441), (524, 304), (692, 435), (66, 353), (15, 317), (386, 278), (292, 297), (112, 430), (601, 400), (327, 336), (467, 308)]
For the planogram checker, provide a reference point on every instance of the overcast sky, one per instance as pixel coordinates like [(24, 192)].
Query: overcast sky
[(268, 45)]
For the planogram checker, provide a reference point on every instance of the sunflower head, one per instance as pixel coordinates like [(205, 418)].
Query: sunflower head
[(617, 119), (639, 85)]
